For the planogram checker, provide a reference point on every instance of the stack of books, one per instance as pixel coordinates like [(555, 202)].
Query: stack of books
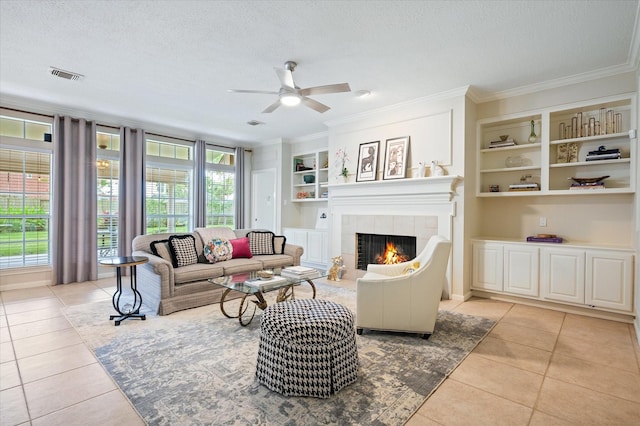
[(524, 186), (299, 272), (603, 154), (266, 284), (588, 185), (545, 238), (502, 143)]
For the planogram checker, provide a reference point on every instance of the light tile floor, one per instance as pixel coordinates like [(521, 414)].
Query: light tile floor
[(536, 367)]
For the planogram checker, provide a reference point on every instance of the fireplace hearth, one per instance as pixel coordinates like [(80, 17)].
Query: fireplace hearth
[(383, 249)]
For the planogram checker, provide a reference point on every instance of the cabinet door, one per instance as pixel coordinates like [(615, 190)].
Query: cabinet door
[(609, 280), (487, 266), (563, 274), (316, 246), (521, 269), (297, 237)]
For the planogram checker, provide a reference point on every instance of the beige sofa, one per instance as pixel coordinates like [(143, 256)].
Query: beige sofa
[(166, 289)]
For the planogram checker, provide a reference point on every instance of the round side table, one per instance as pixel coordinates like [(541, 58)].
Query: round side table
[(126, 310)]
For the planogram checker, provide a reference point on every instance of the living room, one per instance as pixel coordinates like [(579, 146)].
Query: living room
[(447, 123)]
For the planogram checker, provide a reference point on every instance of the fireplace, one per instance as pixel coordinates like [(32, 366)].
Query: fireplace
[(383, 249)]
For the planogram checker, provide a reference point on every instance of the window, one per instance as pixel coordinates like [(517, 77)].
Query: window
[(169, 185), (220, 187), (108, 169), (25, 188)]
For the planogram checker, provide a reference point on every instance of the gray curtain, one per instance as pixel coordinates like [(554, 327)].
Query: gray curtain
[(74, 247), (200, 184), (132, 188), (240, 189)]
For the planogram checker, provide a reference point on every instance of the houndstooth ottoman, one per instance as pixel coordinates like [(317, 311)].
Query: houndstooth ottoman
[(307, 348)]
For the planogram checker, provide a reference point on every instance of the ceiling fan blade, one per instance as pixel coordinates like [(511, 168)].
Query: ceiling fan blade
[(285, 76), (271, 107), (322, 90), (264, 92), (315, 105)]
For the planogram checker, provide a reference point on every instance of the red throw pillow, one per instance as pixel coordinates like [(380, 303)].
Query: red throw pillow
[(241, 248)]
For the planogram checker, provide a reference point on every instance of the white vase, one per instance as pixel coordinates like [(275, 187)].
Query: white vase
[(421, 170)]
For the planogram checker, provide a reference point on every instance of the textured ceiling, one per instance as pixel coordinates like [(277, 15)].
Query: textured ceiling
[(167, 65)]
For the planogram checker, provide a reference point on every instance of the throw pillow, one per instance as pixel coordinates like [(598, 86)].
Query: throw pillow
[(241, 248), (261, 242), (183, 250), (278, 244), (411, 268), (217, 250), (161, 249)]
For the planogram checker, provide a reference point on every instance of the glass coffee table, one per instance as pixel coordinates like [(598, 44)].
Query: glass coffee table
[(254, 288)]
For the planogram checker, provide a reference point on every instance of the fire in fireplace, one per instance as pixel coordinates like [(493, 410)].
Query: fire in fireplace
[(383, 249)]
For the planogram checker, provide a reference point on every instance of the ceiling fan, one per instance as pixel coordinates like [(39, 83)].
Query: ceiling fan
[(291, 95)]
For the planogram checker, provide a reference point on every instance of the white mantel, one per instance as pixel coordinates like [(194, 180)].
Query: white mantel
[(415, 190)]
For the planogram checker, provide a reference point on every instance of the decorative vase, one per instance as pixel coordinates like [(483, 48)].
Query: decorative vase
[(532, 136), (421, 169), (434, 168)]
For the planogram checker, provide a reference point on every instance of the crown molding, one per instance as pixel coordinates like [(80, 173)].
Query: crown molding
[(560, 82)]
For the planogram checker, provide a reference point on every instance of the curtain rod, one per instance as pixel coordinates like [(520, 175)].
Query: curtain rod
[(118, 127)]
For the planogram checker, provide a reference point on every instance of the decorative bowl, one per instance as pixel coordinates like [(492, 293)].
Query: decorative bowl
[(582, 181), (309, 178), (265, 275), (503, 137)]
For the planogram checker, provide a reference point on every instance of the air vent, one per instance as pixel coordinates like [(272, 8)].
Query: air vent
[(255, 123), (65, 74)]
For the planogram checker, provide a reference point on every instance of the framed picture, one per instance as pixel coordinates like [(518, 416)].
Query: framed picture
[(395, 158), (367, 161)]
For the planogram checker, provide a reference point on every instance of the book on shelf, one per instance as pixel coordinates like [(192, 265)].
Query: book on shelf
[(528, 186), (587, 186), (596, 157), (535, 239), (502, 143)]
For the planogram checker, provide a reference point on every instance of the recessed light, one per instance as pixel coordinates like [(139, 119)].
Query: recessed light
[(362, 93), (255, 123)]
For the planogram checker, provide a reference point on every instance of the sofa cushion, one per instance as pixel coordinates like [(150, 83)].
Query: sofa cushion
[(274, 260), (161, 249), (237, 266), (241, 248), (198, 272), (261, 242), (183, 250)]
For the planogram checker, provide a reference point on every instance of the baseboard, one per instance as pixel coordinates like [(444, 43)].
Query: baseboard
[(589, 312)]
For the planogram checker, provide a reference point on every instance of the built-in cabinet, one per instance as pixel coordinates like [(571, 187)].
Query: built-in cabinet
[(313, 241), (586, 276), (310, 176), (554, 151)]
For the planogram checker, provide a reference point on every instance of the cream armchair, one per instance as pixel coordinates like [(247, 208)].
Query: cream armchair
[(404, 296)]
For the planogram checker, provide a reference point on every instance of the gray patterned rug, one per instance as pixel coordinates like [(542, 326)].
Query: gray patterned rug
[(197, 367)]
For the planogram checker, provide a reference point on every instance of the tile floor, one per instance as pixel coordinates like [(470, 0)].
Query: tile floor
[(536, 367)]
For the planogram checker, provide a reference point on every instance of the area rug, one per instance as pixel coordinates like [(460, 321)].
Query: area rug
[(197, 367)]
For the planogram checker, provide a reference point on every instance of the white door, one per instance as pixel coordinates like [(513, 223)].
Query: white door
[(263, 199)]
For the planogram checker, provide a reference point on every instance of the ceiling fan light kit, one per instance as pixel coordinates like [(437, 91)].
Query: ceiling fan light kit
[(291, 95), (290, 99)]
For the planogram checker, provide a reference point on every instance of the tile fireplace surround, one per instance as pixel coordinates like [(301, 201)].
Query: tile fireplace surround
[(420, 207)]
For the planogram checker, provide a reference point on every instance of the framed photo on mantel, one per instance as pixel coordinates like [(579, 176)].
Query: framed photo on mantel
[(395, 158), (367, 161)]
